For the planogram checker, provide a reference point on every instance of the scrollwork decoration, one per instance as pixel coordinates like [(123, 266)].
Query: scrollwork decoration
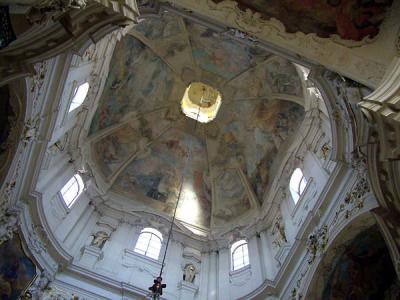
[(317, 242)]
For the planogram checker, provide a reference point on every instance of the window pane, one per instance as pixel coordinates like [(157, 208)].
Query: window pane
[(71, 190), (148, 243), (240, 256), (67, 186), (79, 96), (297, 184), (141, 244), (154, 231)]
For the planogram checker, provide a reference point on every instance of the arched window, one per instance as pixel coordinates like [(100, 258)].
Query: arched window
[(72, 189), (149, 243), (239, 255), (297, 184), (79, 96)]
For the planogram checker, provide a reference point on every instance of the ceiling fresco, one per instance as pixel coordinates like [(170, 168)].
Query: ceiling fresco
[(350, 19), (141, 140), (363, 270)]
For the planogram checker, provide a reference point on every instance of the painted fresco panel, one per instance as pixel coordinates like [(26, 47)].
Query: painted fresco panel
[(252, 136), (363, 270), (158, 28), (138, 81), (274, 76), (282, 77), (231, 197), (350, 19), (143, 136), (215, 54), (130, 139), (16, 270), (157, 175)]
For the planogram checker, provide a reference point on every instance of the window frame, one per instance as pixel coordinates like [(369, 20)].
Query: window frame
[(245, 258), (76, 180), (154, 235)]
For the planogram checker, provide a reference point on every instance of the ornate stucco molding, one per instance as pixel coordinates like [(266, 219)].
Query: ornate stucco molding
[(76, 22), (8, 224), (317, 242), (382, 109), (339, 55), (278, 233), (44, 10)]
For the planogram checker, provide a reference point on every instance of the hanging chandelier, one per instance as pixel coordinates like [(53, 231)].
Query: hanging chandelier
[(157, 288)]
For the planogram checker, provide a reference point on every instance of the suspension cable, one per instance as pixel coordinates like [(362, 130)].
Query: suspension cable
[(180, 189)]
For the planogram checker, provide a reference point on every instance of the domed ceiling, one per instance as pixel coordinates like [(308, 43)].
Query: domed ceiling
[(141, 139)]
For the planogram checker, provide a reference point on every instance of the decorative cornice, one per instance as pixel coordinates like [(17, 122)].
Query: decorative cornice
[(325, 51)]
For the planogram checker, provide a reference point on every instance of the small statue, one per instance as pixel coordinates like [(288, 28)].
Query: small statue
[(99, 239), (189, 273), (279, 231), (325, 151)]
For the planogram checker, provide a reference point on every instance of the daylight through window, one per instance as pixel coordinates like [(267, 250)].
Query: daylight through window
[(72, 189), (297, 184), (79, 96), (240, 255), (149, 243)]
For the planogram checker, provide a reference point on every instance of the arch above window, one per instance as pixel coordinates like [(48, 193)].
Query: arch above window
[(149, 243), (79, 96), (297, 184), (239, 255), (72, 189)]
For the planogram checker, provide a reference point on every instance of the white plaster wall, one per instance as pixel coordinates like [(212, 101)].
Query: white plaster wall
[(127, 274)]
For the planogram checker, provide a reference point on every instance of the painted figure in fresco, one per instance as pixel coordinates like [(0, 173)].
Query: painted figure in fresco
[(350, 19), (362, 271), (16, 269), (189, 273)]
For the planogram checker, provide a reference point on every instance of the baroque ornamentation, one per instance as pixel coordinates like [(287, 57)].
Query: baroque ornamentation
[(30, 130), (35, 241), (240, 34), (189, 273), (354, 200), (38, 287), (38, 77), (327, 51), (317, 242), (8, 224), (295, 295), (99, 239), (44, 10), (278, 232), (325, 150)]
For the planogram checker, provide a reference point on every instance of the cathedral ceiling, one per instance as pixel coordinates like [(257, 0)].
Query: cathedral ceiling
[(350, 19), (141, 139)]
